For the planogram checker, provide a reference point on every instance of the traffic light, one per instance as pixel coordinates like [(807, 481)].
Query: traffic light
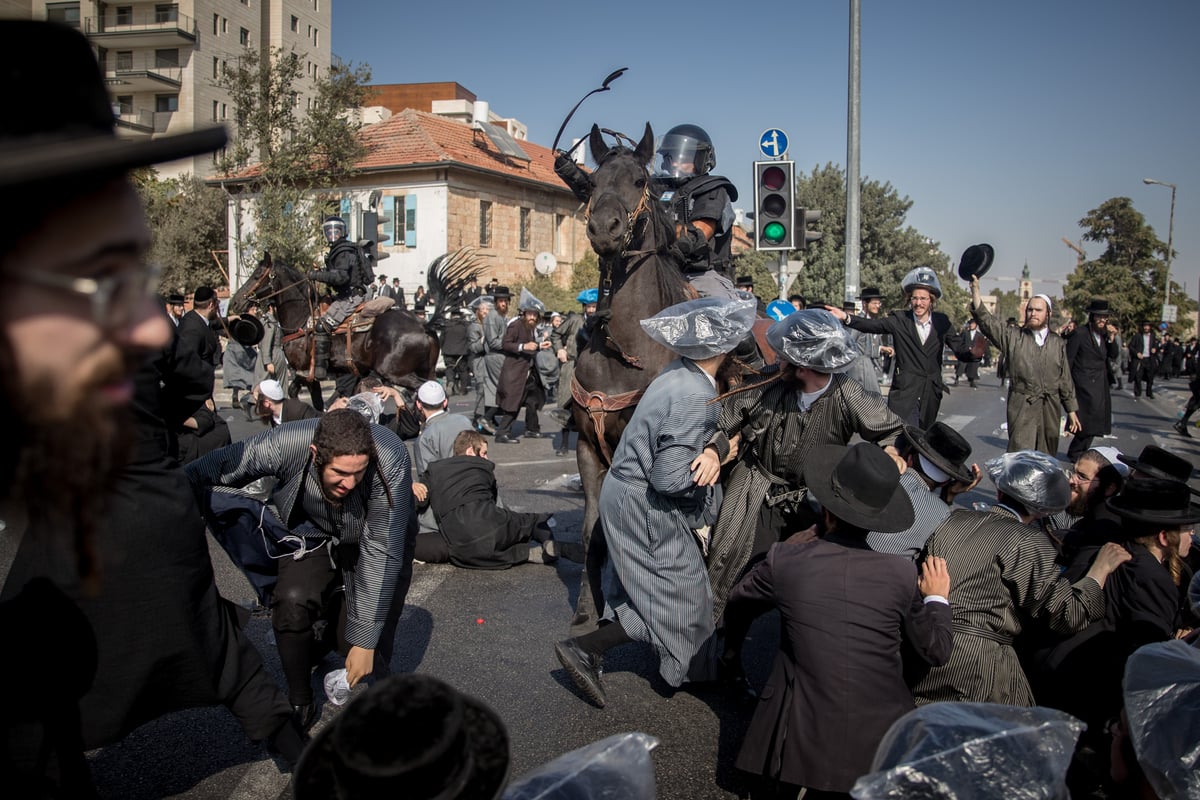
[(774, 205), (373, 235), (806, 217)]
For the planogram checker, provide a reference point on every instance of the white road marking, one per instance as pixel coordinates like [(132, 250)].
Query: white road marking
[(958, 422)]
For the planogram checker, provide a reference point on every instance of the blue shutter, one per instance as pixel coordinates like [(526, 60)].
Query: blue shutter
[(410, 220)]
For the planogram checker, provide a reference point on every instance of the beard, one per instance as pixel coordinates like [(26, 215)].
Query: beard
[(61, 461), (1083, 505)]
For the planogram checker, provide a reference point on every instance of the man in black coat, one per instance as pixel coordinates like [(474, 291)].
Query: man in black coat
[(918, 335), (275, 409), (838, 681), (519, 385), (1088, 352), (474, 532), (1143, 360)]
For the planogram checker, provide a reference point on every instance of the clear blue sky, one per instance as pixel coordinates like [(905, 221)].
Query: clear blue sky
[(1003, 122)]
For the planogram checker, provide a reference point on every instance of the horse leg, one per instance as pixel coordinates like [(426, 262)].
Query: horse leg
[(590, 604)]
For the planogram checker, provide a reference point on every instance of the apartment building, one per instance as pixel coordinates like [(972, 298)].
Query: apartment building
[(162, 60)]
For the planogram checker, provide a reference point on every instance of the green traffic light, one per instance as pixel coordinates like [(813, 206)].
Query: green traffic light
[(774, 232)]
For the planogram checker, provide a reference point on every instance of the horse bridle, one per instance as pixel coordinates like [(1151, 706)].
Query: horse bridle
[(269, 276)]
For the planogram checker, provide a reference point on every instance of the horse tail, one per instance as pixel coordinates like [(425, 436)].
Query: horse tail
[(448, 275)]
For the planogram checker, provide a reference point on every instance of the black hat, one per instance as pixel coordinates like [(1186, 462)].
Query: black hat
[(744, 280), (849, 306), (1010, 321), (501, 293), (870, 293), (815, 304), (1159, 463), (203, 294), (859, 485), (175, 299), (409, 736), (945, 447), (976, 261), (65, 129), (1099, 306), (246, 330), (1155, 501), (799, 297)]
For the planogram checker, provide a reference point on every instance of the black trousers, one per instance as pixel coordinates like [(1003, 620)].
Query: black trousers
[(304, 596), (1143, 370), (533, 400)]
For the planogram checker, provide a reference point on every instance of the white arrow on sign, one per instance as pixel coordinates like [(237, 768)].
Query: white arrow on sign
[(773, 143)]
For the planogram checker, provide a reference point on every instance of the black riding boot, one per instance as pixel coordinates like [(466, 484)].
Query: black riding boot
[(321, 349)]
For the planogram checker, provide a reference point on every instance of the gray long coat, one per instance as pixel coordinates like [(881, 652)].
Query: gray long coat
[(649, 506), (1041, 387), (776, 438), (494, 326)]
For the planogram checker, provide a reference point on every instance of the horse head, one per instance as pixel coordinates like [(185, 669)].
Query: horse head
[(257, 286), (621, 193)]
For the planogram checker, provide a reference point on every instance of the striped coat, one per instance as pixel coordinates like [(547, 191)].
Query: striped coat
[(378, 515), (1003, 573), (928, 512), (648, 507), (776, 437)]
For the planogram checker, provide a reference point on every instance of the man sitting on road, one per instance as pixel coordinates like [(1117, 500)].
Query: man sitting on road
[(473, 530), (275, 409)]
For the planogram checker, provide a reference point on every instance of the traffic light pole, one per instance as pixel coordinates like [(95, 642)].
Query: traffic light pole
[(853, 218), (783, 274)]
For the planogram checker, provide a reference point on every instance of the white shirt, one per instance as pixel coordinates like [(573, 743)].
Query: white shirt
[(1040, 336), (924, 328), (808, 398)]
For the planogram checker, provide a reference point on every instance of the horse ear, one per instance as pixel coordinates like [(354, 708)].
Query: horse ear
[(645, 148), (597, 144)]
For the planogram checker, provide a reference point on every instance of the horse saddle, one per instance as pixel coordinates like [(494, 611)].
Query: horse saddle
[(363, 316)]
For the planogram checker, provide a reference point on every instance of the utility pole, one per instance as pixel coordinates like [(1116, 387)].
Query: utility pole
[(852, 155)]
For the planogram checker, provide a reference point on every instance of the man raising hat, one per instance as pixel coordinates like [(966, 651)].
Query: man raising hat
[(1090, 350)]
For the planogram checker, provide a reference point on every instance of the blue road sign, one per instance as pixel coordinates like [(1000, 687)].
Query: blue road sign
[(773, 143)]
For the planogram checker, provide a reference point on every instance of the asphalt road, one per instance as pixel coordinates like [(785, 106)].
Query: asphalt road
[(491, 634)]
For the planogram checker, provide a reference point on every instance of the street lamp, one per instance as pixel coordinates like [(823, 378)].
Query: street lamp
[(1170, 233)]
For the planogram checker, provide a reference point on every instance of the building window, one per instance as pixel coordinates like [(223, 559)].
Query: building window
[(224, 111), (316, 37), (315, 8), (166, 102), (485, 223), (295, 24), (166, 12), (124, 15), (216, 68), (244, 37), (63, 13), (166, 58), (224, 25), (559, 219), (124, 60), (216, 108), (525, 232), (124, 104), (216, 24)]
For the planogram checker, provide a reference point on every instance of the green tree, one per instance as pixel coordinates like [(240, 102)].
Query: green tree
[(290, 156), (888, 247), (187, 224), (1129, 273)]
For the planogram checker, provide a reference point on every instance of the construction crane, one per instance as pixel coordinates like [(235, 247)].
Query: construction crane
[(1080, 256)]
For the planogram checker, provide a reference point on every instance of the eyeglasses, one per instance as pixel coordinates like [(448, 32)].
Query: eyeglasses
[(1079, 477), (114, 298)]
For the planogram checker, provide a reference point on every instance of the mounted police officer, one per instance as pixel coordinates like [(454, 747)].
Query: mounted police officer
[(348, 274), (701, 205)]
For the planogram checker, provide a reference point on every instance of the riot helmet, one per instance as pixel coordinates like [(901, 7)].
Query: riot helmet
[(685, 152), (334, 229)]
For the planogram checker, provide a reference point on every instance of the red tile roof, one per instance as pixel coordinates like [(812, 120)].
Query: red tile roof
[(413, 138)]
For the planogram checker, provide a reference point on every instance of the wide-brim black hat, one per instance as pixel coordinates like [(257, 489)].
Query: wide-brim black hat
[(65, 129), (870, 293), (945, 447), (501, 293), (1156, 462), (246, 330), (1156, 501), (859, 485), (410, 736), (1099, 306), (976, 261), (175, 299)]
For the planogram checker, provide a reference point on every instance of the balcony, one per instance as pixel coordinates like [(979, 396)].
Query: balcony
[(151, 27), (141, 73), (133, 122)]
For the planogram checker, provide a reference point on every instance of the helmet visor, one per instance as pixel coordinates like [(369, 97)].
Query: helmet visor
[(677, 156), (334, 231)]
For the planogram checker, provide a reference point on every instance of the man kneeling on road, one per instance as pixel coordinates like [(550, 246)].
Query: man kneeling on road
[(344, 489), (474, 531)]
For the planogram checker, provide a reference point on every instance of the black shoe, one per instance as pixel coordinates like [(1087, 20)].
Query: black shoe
[(584, 669), (483, 426), (561, 416), (1149, 396), (538, 435), (1181, 429), (503, 438), (304, 715), (562, 450), (287, 743), (549, 551)]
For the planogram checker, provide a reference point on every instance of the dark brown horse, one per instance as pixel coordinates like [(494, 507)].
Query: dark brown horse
[(399, 347), (632, 235)]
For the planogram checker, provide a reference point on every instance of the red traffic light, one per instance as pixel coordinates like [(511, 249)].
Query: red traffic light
[(773, 179)]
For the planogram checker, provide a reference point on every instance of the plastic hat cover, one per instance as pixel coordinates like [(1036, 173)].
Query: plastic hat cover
[(528, 302), (1162, 701), (702, 328), (813, 338), (1032, 477)]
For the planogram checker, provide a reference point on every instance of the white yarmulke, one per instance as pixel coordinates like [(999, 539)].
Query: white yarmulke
[(431, 393), (270, 388)]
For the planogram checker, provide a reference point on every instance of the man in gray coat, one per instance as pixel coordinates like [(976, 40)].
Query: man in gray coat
[(436, 441), (494, 326), (1041, 387)]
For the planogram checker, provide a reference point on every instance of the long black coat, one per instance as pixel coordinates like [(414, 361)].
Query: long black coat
[(510, 389), (1089, 372), (478, 533), (838, 683), (917, 385)]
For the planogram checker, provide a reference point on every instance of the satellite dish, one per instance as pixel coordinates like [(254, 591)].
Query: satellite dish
[(545, 263)]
